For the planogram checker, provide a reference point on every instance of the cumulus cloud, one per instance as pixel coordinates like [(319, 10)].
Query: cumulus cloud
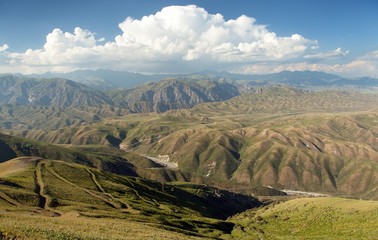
[(191, 33), (184, 39), (337, 53), (4, 48), (62, 50), (176, 34)]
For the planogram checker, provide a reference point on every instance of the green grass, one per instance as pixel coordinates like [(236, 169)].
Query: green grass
[(310, 218), (71, 226), (67, 193)]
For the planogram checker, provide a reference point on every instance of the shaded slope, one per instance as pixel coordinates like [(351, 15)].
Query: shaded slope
[(101, 158)]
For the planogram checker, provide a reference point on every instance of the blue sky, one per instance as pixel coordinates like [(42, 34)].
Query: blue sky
[(339, 36)]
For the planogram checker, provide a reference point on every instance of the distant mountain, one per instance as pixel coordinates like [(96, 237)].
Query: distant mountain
[(170, 94), (58, 102), (108, 79), (51, 103), (49, 92), (105, 79)]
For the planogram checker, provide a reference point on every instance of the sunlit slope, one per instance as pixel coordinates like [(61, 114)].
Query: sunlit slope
[(61, 189), (283, 99), (322, 152), (310, 218), (175, 93)]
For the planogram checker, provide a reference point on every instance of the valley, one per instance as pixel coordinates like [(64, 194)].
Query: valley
[(201, 156)]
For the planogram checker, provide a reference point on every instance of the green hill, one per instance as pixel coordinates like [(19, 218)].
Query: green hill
[(70, 190), (309, 218)]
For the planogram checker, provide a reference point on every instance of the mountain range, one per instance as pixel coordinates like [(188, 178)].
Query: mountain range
[(181, 155), (107, 79), (279, 136), (64, 102)]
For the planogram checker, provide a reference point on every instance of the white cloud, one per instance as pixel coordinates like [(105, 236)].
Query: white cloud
[(4, 48), (191, 33), (366, 65), (184, 39), (177, 34), (337, 53)]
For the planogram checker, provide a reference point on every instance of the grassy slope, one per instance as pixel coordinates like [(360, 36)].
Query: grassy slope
[(68, 193), (27, 226), (310, 218)]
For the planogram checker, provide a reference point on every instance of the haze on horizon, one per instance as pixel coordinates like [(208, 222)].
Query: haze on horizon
[(165, 37)]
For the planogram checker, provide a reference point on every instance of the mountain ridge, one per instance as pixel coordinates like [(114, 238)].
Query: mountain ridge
[(108, 79)]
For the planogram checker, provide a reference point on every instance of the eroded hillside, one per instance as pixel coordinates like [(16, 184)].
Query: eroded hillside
[(281, 137)]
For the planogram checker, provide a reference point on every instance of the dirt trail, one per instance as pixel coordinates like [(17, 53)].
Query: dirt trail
[(100, 188), (98, 185), (93, 194), (40, 189), (9, 200), (40, 186)]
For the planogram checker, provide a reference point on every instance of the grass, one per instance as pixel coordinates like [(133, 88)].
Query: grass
[(310, 218), (71, 226), (63, 200)]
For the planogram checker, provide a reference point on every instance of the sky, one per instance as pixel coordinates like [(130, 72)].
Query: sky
[(182, 36)]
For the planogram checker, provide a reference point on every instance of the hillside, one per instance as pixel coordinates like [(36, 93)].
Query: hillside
[(284, 99), (28, 103), (180, 174), (49, 92), (309, 218), (171, 94), (82, 185), (280, 137)]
